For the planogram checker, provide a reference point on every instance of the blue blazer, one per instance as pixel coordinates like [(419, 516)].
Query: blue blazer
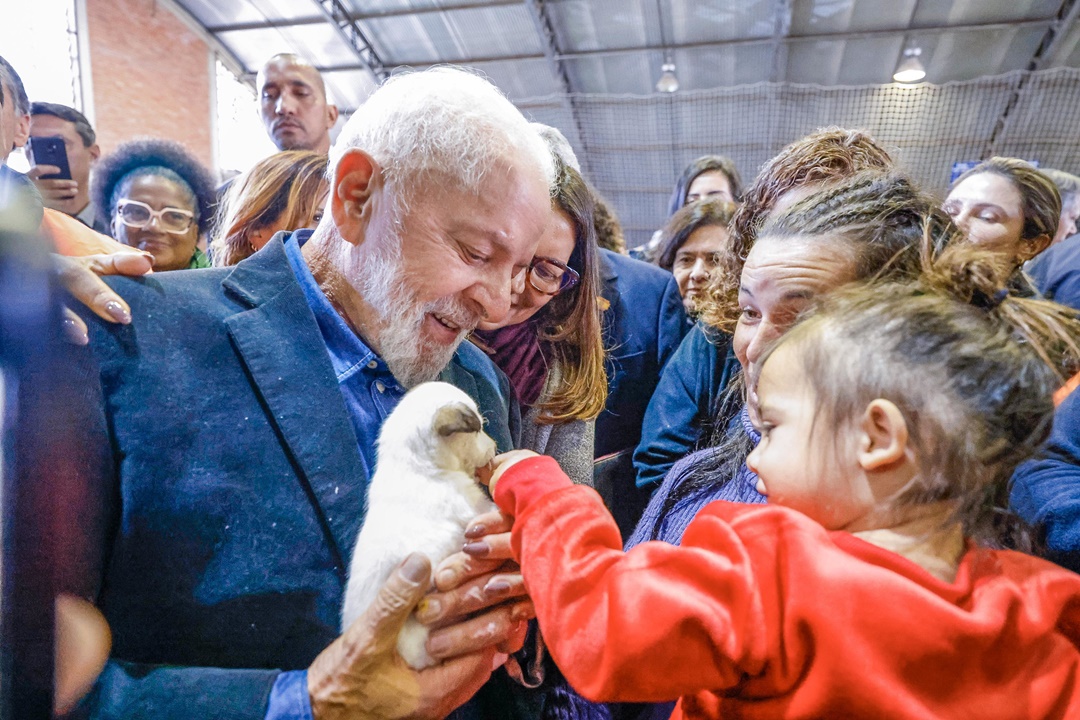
[(642, 327), (1056, 272), (232, 489), (1046, 489), (685, 403)]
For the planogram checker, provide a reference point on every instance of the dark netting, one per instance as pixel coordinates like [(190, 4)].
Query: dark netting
[(634, 147)]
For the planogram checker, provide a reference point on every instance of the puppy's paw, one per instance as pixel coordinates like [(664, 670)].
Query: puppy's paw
[(412, 643)]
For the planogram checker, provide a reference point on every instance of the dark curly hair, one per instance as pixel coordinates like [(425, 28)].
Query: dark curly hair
[(152, 156)]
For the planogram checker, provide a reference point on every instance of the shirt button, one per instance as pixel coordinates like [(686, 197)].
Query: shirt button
[(379, 386), (373, 364)]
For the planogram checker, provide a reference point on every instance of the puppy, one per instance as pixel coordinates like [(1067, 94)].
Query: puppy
[(422, 496)]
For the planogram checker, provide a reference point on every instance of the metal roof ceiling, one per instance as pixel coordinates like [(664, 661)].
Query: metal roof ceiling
[(540, 47), (567, 63)]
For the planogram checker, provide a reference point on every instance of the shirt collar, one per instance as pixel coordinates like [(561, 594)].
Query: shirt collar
[(348, 352), (87, 215)]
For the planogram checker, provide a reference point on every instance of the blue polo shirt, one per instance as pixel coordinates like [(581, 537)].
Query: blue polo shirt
[(370, 393)]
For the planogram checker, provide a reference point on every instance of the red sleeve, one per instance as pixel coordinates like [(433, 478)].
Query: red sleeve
[(653, 624)]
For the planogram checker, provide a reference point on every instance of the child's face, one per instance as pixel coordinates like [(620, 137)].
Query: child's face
[(805, 466)]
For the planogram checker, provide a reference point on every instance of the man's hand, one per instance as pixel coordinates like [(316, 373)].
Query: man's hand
[(361, 676), (54, 192), (80, 275), (480, 599)]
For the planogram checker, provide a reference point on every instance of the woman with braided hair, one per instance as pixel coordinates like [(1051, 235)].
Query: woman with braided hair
[(870, 225), (687, 400)]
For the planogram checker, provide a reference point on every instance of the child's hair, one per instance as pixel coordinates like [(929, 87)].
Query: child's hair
[(971, 368)]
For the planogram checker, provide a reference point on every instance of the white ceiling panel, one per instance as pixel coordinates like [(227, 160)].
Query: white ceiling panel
[(753, 74)]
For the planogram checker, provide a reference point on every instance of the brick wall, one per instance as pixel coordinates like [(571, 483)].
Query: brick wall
[(151, 76)]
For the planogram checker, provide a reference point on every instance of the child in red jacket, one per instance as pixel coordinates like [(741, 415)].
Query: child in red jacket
[(892, 419)]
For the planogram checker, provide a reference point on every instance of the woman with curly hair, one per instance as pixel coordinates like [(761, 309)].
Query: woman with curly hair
[(687, 401), (158, 198)]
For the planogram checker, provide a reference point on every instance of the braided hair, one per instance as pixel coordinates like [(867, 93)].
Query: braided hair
[(881, 216)]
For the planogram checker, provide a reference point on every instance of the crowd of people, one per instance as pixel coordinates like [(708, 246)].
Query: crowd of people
[(809, 452)]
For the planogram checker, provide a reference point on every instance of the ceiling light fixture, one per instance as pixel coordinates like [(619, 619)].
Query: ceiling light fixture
[(911, 68), (668, 82)]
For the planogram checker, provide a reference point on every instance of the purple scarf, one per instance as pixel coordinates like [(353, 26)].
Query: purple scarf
[(516, 350)]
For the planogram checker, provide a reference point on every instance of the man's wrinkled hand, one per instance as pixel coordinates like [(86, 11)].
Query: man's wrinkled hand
[(361, 676), (81, 277)]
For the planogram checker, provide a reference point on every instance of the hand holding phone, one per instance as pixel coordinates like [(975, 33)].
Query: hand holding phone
[(49, 150)]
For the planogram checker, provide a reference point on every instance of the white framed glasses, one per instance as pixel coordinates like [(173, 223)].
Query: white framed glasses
[(138, 215)]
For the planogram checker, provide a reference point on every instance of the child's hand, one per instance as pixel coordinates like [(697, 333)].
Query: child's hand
[(490, 473)]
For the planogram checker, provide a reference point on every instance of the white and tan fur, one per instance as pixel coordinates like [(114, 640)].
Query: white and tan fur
[(421, 498)]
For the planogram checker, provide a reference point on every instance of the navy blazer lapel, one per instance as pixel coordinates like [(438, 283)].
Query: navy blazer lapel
[(282, 348), (609, 275), (611, 317)]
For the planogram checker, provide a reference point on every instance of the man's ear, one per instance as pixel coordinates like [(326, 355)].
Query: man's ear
[(1030, 248), (94, 151), (331, 115), (356, 177), (22, 130), (883, 437)]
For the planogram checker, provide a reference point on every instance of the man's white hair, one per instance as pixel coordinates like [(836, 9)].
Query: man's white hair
[(443, 121)]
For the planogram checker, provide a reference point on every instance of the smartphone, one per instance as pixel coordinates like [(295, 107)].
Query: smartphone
[(49, 150)]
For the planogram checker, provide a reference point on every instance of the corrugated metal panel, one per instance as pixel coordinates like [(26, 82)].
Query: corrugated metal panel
[(320, 44), (455, 36), (836, 62)]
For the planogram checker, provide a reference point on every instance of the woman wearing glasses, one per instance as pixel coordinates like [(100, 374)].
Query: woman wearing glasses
[(549, 344), (158, 198)]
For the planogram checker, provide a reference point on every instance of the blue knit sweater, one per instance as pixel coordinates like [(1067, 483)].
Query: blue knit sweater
[(740, 488)]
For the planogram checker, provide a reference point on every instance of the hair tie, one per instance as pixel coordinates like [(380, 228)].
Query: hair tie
[(989, 302)]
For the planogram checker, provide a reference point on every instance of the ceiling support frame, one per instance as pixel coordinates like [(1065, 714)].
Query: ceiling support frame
[(354, 36), (781, 30), (760, 40), (1066, 16)]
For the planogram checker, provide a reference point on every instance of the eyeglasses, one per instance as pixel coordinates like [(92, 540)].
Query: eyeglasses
[(138, 215), (549, 276)]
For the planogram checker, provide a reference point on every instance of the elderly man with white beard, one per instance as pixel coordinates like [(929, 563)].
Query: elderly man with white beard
[(236, 423)]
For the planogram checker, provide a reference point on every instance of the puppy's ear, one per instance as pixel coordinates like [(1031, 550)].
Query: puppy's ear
[(456, 418)]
